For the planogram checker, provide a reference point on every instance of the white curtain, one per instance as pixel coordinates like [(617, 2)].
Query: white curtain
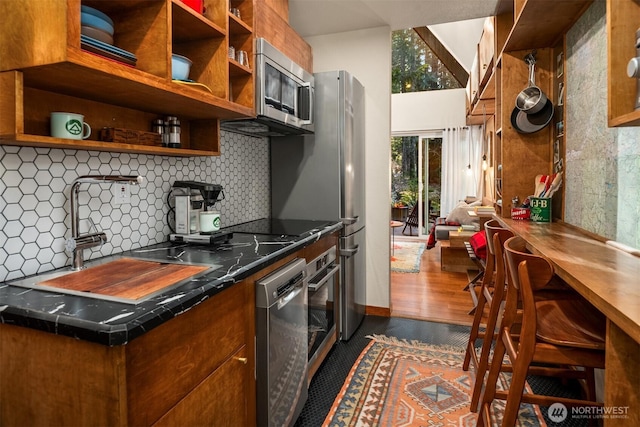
[(461, 147)]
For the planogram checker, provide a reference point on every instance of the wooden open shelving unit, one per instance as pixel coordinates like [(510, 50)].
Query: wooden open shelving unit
[(44, 69), (519, 27)]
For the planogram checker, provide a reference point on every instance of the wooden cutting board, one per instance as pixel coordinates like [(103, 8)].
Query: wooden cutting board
[(125, 278)]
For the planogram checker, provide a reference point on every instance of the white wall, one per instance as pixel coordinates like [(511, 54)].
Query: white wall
[(460, 38), (420, 111), (367, 55)]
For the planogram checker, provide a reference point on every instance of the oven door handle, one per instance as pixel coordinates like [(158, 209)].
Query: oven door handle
[(315, 286)]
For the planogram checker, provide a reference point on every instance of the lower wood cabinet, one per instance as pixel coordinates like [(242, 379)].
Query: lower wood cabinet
[(196, 369), (219, 400)]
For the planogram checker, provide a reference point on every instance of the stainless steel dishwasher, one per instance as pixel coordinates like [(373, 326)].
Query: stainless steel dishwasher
[(281, 345)]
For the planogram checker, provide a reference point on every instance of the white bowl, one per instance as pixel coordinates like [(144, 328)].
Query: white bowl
[(180, 67)]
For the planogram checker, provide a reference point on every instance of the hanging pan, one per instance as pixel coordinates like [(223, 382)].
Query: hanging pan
[(530, 123), (532, 99)]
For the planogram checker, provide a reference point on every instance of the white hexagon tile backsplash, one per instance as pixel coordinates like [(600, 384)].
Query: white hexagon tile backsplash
[(34, 198)]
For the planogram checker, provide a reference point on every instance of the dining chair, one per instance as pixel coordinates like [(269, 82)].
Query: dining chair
[(491, 295), (484, 296), (564, 337)]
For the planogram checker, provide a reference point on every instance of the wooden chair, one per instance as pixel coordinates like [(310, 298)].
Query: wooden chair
[(412, 220), (561, 334), (491, 295)]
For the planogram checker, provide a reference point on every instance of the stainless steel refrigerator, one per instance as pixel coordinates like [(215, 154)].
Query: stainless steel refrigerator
[(322, 176)]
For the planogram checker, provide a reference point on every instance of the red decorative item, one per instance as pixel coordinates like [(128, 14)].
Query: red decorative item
[(479, 244), (194, 4), (520, 213)]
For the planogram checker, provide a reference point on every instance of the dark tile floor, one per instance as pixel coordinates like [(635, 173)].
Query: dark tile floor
[(329, 379)]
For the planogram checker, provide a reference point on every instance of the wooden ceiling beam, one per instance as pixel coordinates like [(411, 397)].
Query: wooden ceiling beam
[(457, 71)]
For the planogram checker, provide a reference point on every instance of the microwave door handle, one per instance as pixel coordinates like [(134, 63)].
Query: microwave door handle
[(315, 286), (311, 96)]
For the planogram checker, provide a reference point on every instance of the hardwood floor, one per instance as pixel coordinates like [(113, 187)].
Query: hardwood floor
[(431, 294)]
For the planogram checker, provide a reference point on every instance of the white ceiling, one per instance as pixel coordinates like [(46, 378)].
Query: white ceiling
[(320, 17)]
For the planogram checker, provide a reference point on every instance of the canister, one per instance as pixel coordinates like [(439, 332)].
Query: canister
[(540, 209)]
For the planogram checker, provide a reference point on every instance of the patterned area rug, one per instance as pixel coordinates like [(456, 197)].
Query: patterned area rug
[(400, 383), (406, 257)]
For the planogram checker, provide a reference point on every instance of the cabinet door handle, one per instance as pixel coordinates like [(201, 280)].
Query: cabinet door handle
[(242, 360)]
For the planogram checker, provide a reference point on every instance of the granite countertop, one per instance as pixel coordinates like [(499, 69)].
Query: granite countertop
[(116, 323)]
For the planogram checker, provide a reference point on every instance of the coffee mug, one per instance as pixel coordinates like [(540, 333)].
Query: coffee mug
[(209, 221), (69, 126)]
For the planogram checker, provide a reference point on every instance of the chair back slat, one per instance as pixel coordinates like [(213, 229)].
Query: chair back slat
[(499, 237), (490, 228), (516, 252)]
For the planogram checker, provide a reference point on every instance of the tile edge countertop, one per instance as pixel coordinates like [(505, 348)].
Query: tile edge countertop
[(115, 323)]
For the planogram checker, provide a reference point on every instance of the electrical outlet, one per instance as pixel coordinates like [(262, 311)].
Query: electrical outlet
[(121, 193)]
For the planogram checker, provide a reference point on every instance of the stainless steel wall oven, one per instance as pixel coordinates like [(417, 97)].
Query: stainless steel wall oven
[(323, 273)]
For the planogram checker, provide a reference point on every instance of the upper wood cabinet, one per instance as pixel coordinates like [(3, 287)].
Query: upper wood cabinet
[(623, 19), (273, 27), (481, 86), (486, 51), (44, 68)]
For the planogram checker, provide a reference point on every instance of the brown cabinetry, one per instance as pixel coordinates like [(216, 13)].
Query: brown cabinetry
[(520, 27), (275, 28), (481, 85), (192, 370), (623, 19), (44, 68)]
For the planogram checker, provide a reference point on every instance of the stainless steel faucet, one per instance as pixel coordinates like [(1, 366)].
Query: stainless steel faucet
[(77, 243)]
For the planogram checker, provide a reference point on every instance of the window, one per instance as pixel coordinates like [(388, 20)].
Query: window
[(414, 66)]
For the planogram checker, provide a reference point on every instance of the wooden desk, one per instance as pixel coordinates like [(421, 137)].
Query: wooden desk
[(610, 279)]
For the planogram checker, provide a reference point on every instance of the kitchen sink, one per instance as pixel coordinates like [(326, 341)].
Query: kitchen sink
[(125, 279)]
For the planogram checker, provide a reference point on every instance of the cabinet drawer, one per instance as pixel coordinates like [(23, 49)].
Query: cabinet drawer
[(166, 364), (220, 400)]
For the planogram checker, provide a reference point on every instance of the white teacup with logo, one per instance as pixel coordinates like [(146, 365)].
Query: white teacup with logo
[(69, 126), (209, 221)]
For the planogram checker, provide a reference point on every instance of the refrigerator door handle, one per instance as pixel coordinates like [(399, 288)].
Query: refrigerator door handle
[(348, 253), (349, 221)]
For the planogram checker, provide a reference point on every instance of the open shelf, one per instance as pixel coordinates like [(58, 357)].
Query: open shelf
[(106, 90), (540, 24)]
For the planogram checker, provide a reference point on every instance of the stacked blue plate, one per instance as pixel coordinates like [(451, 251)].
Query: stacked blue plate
[(106, 50), (90, 17), (97, 36)]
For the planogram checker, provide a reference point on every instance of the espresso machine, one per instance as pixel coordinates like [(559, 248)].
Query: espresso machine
[(187, 200)]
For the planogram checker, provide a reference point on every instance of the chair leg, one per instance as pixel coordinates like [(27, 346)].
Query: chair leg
[(477, 315), (516, 388), (490, 388), (591, 384), (483, 362), (473, 334)]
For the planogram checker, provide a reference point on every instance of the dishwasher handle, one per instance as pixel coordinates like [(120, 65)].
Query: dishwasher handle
[(314, 286), (286, 299)]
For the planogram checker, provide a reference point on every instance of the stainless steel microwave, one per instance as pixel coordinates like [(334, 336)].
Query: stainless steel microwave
[(284, 96)]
